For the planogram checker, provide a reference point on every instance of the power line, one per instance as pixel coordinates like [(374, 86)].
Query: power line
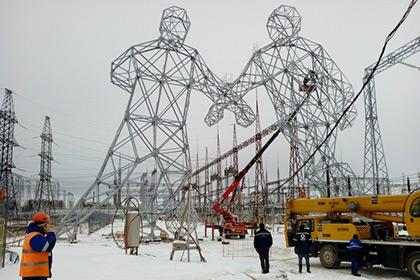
[(69, 115), (63, 134)]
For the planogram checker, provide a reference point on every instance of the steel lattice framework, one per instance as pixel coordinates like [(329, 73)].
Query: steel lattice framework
[(159, 77), (8, 207), (375, 169), (7, 126), (45, 195), (260, 192), (219, 183), (207, 186), (292, 69), (294, 185)]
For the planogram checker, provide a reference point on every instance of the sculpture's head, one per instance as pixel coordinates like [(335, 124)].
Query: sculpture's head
[(283, 23), (174, 24)]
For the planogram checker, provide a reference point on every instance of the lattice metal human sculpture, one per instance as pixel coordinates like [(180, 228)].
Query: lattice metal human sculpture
[(159, 77), (295, 70)]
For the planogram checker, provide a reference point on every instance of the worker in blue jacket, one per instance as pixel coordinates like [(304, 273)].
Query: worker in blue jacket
[(37, 249), (354, 247), (262, 243), (303, 242)]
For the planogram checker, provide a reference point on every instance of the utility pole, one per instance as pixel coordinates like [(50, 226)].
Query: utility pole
[(197, 196), (45, 194), (218, 169), (207, 186), (7, 192), (235, 152)]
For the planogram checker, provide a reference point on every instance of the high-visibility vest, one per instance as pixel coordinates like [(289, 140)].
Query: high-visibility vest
[(33, 263)]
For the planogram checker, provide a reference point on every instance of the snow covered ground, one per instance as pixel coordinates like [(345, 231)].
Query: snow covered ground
[(96, 257)]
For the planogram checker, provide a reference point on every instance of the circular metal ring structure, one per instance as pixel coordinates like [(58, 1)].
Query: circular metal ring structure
[(119, 226)]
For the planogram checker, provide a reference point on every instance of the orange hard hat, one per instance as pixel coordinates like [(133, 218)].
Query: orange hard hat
[(41, 217)]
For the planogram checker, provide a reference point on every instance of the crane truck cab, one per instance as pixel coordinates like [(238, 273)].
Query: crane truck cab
[(333, 221)]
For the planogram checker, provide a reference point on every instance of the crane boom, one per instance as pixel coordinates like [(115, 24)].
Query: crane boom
[(216, 206), (380, 203)]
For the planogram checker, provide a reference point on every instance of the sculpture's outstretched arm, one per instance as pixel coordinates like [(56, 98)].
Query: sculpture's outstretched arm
[(230, 96), (221, 95)]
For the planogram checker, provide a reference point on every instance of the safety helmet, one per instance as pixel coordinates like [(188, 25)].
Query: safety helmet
[(41, 217)]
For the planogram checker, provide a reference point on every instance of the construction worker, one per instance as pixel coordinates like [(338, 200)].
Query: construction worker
[(262, 243), (303, 242), (354, 247), (37, 249)]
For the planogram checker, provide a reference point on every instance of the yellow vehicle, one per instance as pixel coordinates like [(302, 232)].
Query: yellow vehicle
[(333, 221)]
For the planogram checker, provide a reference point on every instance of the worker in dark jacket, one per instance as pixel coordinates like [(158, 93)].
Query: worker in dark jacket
[(354, 247), (303, 242), (262, 243), (37, 248)]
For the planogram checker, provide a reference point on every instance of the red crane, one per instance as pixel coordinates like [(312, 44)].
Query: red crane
[(231, 226)]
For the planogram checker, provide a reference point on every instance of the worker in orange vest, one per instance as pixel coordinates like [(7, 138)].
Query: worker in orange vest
[(37, 248)]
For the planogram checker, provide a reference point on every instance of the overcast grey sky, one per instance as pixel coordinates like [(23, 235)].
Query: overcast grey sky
[(56, 56)]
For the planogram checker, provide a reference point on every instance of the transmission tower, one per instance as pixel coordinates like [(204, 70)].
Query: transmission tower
[(45, 196), (8, 203), (294, 162), (281, 195), (219, 183), (207, 185), (235, 152), (237, 194), (375, 169), (197, 196), (260, 200), (7, 126)]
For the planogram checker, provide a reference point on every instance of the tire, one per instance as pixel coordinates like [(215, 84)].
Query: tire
[(329, 256), (413, 265), (242, 236)]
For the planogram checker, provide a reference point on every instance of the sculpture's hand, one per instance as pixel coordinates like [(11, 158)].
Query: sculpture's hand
[(244, 115), (215, 114)]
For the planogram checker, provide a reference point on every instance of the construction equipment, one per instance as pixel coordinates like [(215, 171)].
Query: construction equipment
[(231, 226), (332, 222)]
